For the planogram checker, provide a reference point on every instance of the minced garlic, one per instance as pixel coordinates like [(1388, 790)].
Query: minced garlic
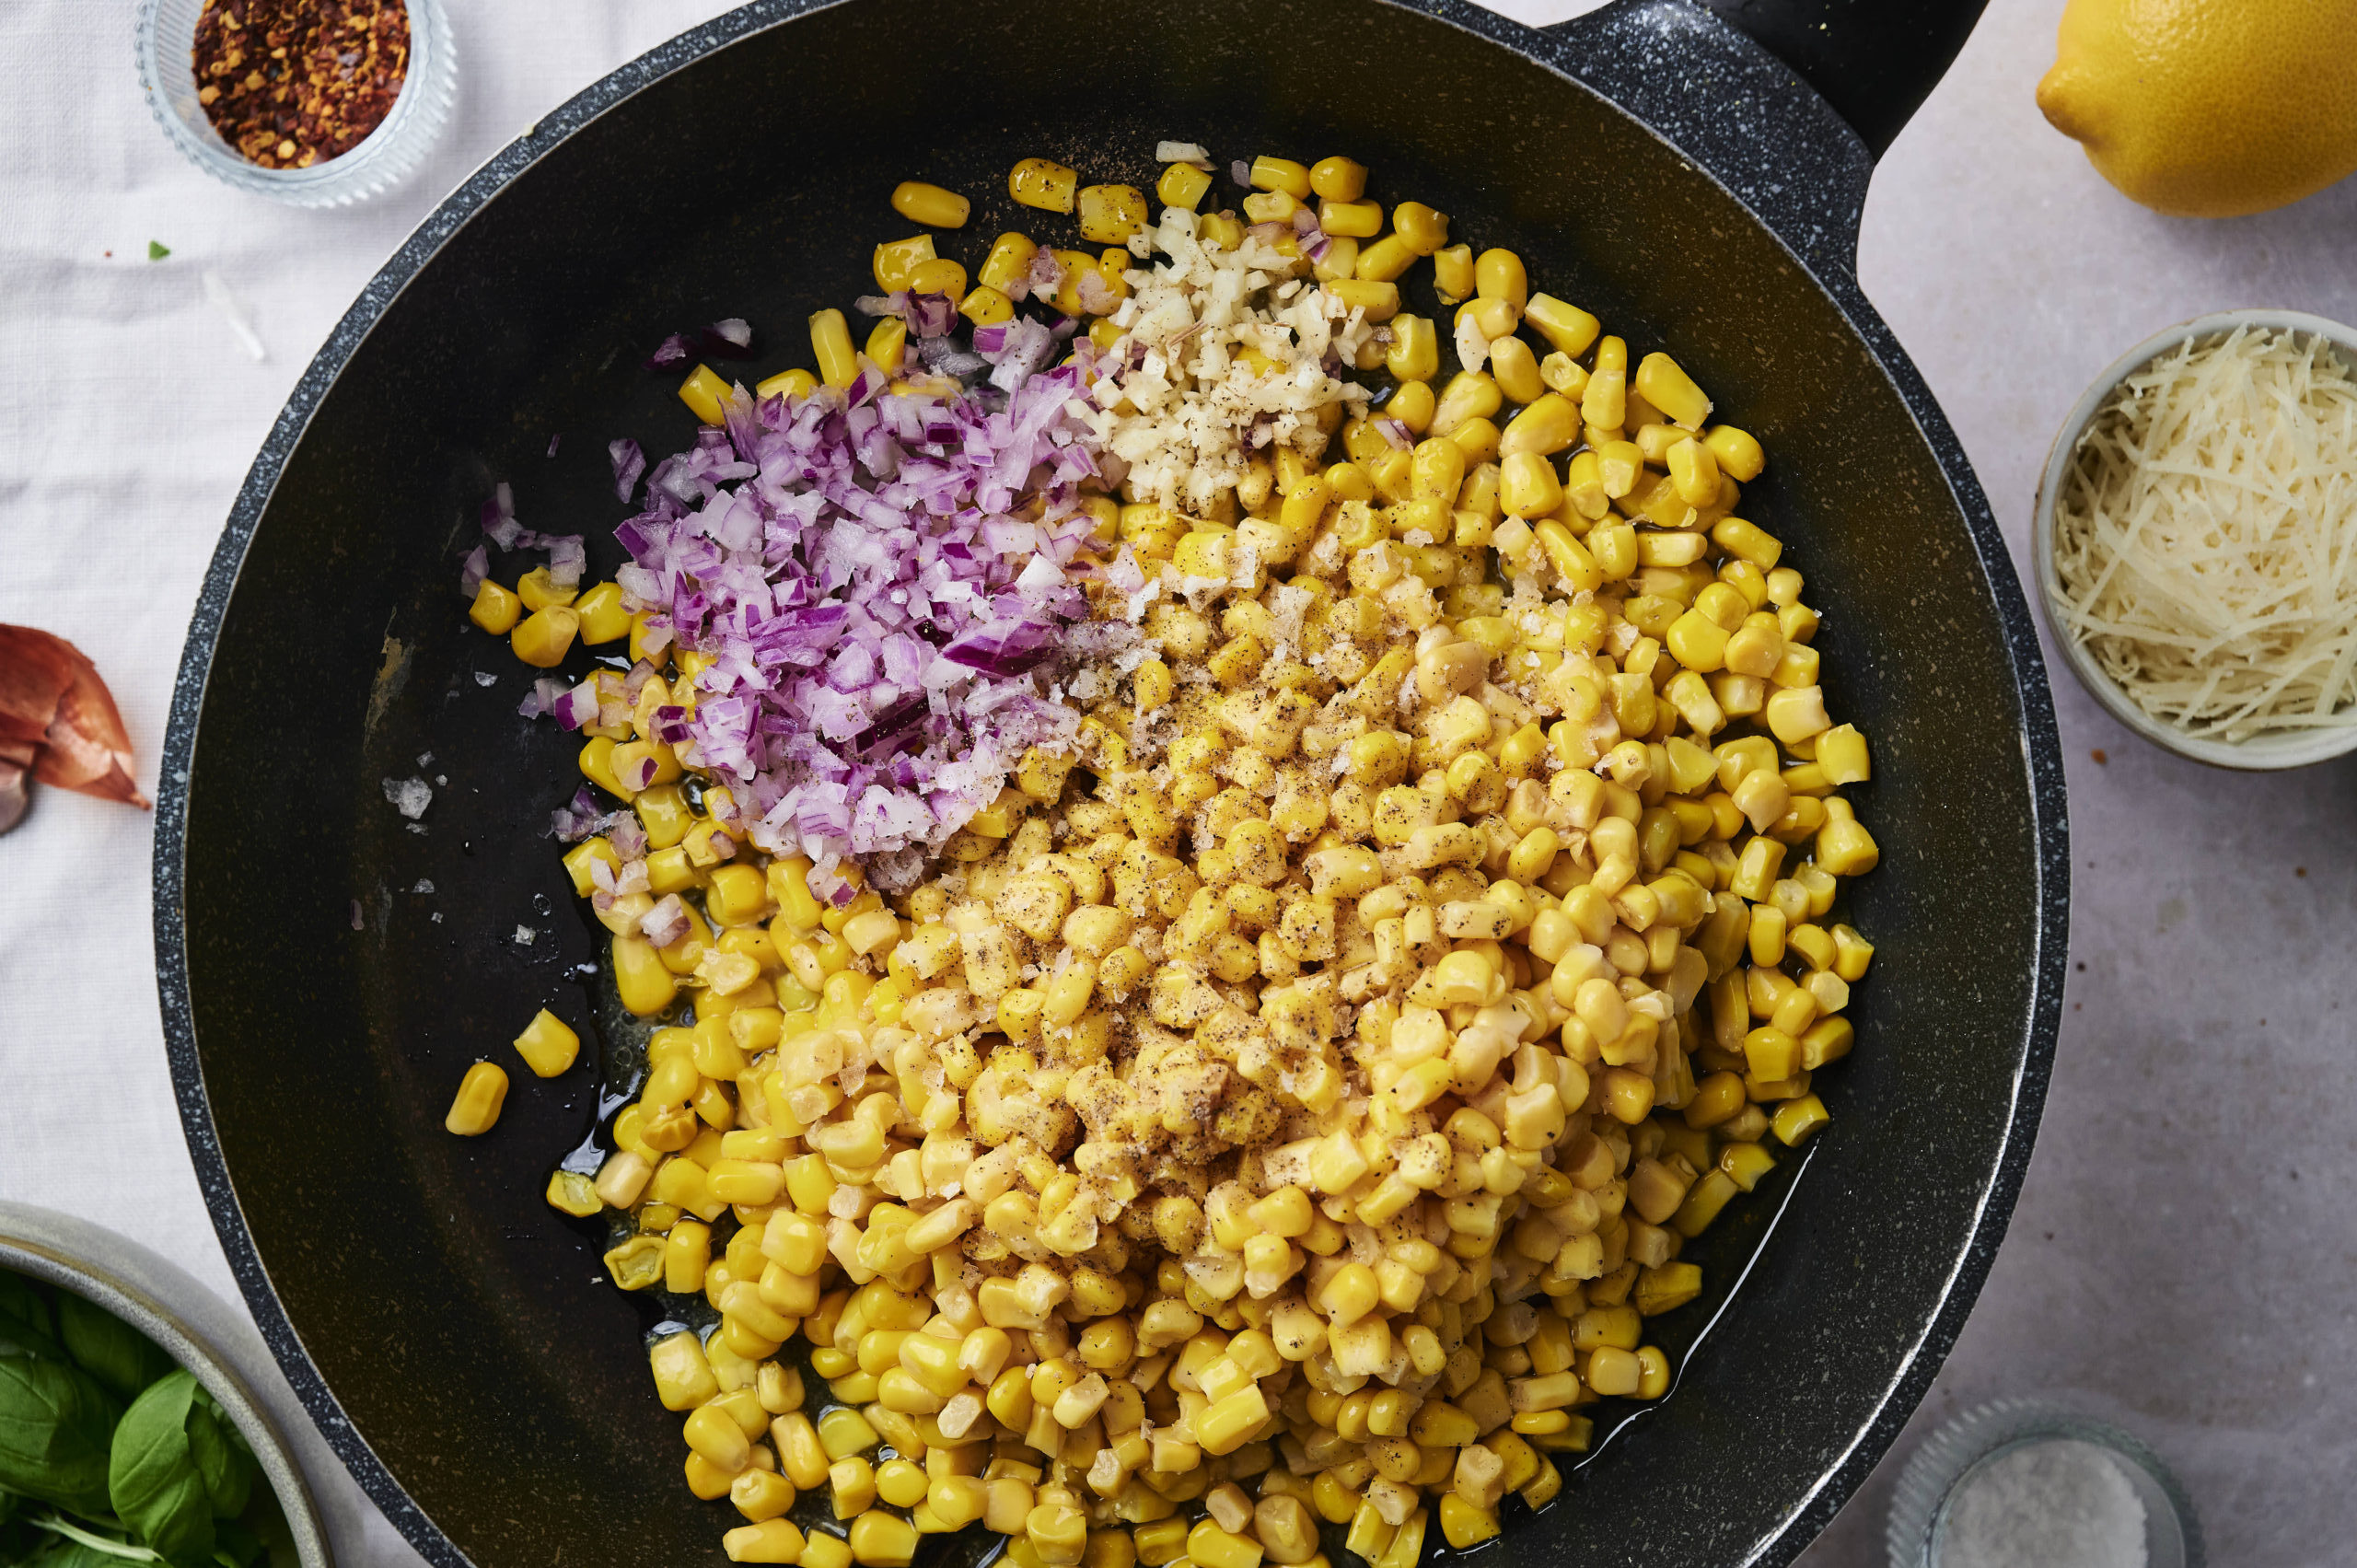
[(1234, 357)]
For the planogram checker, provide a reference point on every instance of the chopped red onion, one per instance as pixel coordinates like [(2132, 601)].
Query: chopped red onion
[(555, 442), (577, 821), (929, 315), (832, 886), (1241, 172), (860, 567), (470, 574), (499, 515), (665, 922), (1397, 433), (673, 350), (731, 338), (578, 706), (542, 699), (635, 775), (629, 463), (1024, 349), (568, 558), (628, 836), (944, 357), (1045, 275), (1308, 236)]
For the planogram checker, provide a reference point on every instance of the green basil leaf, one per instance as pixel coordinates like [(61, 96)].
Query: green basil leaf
[(223, 1467), (25, 1320), (109, 1349), (152, 1474), (229, 1428), (54, 1421)]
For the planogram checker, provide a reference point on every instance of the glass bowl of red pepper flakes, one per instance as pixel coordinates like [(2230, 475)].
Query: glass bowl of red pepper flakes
[(318, 103)]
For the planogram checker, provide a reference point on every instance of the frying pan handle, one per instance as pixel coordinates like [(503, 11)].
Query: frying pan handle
[(1876, 61), (1789, 102)]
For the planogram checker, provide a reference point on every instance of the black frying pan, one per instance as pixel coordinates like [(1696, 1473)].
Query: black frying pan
[(452, 1334)]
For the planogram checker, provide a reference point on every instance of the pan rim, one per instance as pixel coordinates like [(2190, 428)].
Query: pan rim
[(1555, 51)]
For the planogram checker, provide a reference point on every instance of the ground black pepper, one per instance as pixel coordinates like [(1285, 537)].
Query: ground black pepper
[(290, 82)]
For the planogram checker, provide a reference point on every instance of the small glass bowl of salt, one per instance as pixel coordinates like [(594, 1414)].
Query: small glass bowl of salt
[(2018, 1483)]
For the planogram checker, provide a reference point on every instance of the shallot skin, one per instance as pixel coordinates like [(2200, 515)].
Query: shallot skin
[(16, 791), (58, 724)]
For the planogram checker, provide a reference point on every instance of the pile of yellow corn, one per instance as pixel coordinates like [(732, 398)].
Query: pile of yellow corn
[(1288, 1110)]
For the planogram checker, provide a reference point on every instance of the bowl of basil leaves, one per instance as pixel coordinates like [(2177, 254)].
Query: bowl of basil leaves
[(128, 1432)]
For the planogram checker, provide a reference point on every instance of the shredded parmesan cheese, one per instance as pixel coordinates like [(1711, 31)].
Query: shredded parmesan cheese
[(1228, 354), (2206, 536)]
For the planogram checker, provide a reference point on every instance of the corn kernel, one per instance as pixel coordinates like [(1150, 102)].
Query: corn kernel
[(547, 1045), (771, 1540), (1662, 383), (542, 638), (1109, 215), (1183, 185), (1797, 1119), (881, 1541), (1043, 183), (475, 1109), (830, 342), (930, 205)]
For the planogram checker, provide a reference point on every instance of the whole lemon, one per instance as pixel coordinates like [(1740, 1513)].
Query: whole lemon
[(2209, 108)]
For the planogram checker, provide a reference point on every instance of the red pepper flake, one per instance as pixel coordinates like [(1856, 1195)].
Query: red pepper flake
[(291, 82)]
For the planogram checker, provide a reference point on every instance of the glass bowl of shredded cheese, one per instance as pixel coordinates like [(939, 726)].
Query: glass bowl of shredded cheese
[(2196, 540)]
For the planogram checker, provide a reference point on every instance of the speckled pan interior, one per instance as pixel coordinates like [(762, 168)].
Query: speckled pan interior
[(454, 1335)]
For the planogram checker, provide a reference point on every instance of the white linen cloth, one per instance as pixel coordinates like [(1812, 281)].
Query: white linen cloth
[(129, 413)]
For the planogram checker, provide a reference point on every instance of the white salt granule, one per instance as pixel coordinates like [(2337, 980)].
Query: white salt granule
[(409, 797), (2055, 1504)]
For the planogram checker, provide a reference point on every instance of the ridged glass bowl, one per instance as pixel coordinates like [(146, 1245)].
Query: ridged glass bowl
[(164, 37), (1950, 1458)]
